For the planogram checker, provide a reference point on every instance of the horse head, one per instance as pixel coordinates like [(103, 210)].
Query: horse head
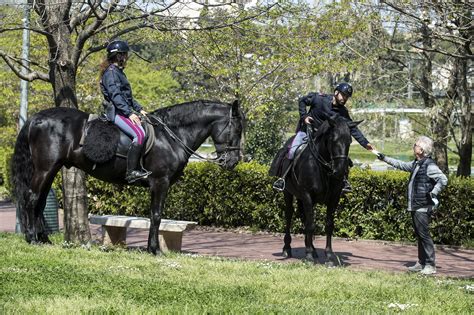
[(337, 142), (226, 135)]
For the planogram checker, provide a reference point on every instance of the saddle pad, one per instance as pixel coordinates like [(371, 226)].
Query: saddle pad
[(102, 140)]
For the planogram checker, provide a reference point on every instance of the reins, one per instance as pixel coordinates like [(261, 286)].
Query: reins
[(220, 160)]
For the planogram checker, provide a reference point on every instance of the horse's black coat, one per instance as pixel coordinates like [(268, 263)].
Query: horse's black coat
[(51, 139), (317, 177)]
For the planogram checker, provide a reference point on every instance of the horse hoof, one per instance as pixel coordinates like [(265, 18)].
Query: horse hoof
[(335, 262), (330, 264), (287, 253), (310, 258), (155, 252), (44, 239)]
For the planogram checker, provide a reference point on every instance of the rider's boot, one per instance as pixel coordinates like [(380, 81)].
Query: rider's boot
[(347, 186), (279, 184), (134, 171)]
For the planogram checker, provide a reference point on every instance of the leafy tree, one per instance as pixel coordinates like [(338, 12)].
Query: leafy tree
[(71, 31), (266, 62), (437, 35)]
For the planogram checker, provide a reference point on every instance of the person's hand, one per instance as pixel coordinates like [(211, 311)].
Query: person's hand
[(135, 119), (435, 200), (308, 120), (370, 147), (143, 112), (380, 156)]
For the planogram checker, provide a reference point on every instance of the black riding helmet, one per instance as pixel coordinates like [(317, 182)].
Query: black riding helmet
[(115, 47), (344, 88)]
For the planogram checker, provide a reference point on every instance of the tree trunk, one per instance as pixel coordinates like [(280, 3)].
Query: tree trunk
[(62, 73), (439, 128), (76, 222), (439, 119), (465, 143)]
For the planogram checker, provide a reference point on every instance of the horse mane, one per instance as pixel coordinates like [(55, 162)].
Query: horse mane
[(326, 126), (181, 114)]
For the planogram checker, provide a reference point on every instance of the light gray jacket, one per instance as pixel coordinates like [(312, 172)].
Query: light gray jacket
[(432, 170)]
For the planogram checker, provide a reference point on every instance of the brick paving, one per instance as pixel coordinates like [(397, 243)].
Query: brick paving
[(358, 255)]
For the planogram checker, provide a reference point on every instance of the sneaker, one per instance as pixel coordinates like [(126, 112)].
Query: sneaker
[(417, 267), (428, 270), (279, 184)]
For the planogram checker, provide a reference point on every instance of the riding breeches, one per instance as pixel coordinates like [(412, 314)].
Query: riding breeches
[(300, 138), (136, 132)]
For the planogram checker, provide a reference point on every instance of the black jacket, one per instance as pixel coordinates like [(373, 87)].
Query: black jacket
[(321, 109), (116, 89)]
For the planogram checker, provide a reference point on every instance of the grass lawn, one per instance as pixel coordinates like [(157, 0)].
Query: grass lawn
[(63, 279)]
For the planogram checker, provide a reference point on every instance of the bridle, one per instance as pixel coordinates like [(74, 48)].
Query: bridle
[(221, 154), (329, 166)]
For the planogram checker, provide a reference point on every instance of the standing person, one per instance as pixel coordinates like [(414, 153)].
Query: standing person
[(121, 106), (321, 107), (425, 183)]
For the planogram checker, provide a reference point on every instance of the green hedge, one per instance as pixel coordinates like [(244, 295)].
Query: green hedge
[(5, 157), (244, 197)]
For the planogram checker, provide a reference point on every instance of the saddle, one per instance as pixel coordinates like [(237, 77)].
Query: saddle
[(281, 161), (102, 140)]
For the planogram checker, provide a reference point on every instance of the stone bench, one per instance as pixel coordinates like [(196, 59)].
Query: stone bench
[(114, 230)]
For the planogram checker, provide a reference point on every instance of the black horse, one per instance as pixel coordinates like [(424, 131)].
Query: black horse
[(51, 139), (316, 177)]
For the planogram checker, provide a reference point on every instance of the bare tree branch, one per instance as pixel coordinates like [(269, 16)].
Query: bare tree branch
[(13, 63)]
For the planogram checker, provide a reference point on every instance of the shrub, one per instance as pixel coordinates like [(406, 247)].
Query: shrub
[(5, 185), (244, 197)]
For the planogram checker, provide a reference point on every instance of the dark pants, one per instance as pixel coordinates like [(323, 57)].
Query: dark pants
[(426, 252)]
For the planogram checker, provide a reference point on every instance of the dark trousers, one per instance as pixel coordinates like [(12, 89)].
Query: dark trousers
[(426, 252)]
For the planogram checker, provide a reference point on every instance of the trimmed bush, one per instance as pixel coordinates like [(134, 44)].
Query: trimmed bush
[(5, 185), (244, 197)]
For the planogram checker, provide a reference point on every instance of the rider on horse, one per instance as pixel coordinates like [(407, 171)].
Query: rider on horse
[(323, 106), (121, 106)]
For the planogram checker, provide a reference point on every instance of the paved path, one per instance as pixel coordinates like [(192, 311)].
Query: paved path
[(366, 255)]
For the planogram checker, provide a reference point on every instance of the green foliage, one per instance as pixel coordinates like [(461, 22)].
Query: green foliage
[(244, 197), (59, 279), (264, 138), (5, 172)]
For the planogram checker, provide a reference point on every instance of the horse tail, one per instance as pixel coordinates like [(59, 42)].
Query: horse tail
[(22, 172)]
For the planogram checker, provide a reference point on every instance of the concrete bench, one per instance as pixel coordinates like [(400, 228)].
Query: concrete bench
[(114, 230)]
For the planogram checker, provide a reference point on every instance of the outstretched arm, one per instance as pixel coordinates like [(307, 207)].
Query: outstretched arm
[(398, 164)]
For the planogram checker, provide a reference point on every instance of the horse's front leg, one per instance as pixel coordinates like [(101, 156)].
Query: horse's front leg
[(288, 217), (332, 260), (309, 227), (159, 190)]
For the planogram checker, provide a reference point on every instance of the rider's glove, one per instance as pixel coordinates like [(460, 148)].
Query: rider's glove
[(380, 156)]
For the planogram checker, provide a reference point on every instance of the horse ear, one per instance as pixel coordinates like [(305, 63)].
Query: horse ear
[(354, 123), (332, 120), (235, 108)]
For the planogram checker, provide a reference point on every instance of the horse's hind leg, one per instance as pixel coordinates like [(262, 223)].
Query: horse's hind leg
[(40, 186), (288, 217)]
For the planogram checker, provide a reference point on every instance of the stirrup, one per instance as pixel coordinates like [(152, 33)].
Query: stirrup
[(347, 188), (136, 175), (279, 184)]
